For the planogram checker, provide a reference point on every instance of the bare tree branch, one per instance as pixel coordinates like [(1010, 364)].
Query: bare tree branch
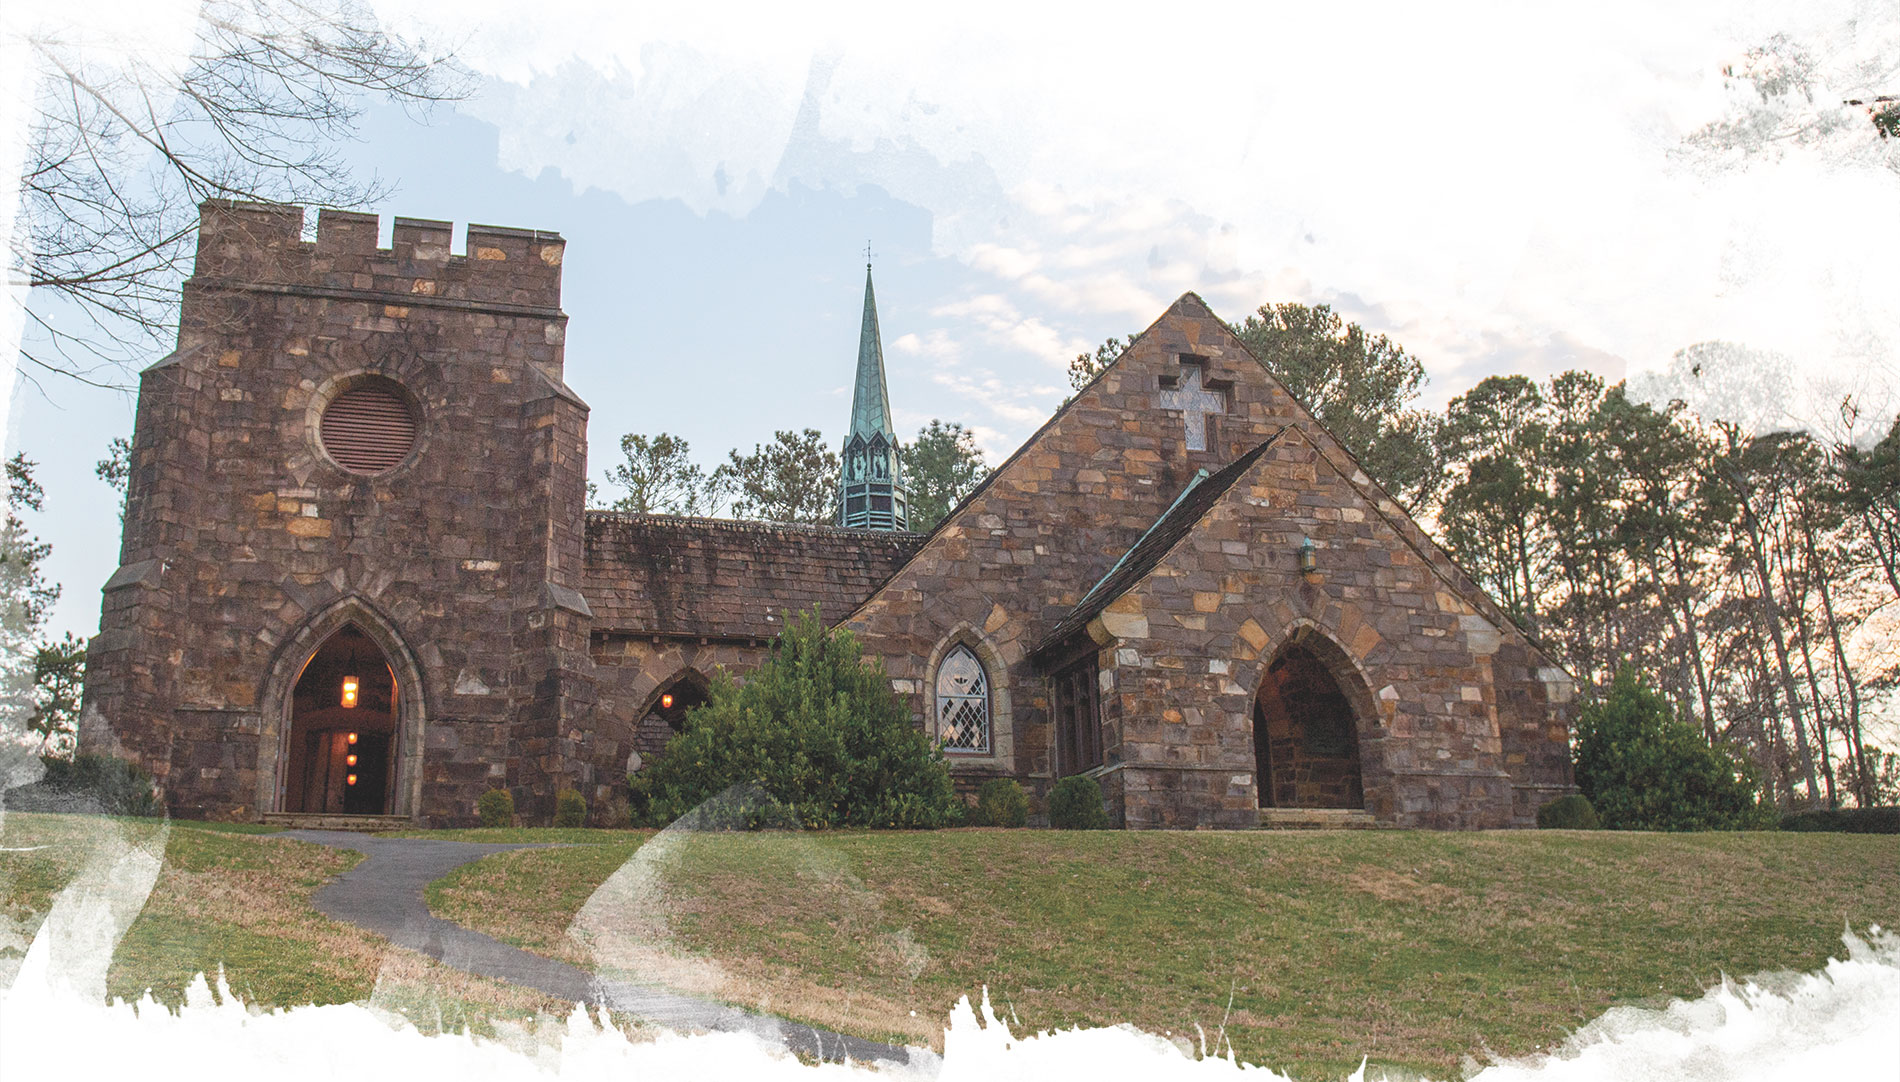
[(121, 153)]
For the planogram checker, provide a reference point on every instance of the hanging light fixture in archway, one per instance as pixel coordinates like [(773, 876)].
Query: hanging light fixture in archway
[(351, 685)]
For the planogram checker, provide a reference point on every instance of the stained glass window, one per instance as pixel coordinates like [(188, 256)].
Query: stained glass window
[(963, 702)]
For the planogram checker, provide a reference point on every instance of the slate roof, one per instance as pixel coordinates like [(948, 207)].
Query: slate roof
[(722, 578), (1195, 501)]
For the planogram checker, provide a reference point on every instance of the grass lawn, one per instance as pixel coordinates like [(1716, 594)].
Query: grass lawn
[(1418, 949), (239, 899)]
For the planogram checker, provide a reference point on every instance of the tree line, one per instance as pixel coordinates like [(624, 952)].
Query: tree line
[(792, 479)]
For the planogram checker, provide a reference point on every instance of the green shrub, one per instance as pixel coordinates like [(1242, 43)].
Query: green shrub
[(1643, 768), (1845, 820), (815, 731), (741, 807), (1571, 812), (496, 808), (90, 784), (1076, 804), (570, 809), (1000, 803)]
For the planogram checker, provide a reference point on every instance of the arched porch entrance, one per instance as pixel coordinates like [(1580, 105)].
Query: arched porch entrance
[(669, 704), (1305, 733), (343, 749)]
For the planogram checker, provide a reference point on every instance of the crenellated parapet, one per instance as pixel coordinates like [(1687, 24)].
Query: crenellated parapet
[(261, 245)]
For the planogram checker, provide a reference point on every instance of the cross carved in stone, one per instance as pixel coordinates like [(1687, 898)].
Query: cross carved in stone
[(1195, 401)]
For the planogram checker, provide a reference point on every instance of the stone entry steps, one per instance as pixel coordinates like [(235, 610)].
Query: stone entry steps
[(1318, 819), (321, 821)]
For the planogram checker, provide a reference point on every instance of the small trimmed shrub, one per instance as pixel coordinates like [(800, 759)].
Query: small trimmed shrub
[(1000, 803), (1845, 820), (1076, 804), (570, 809), (90, 784), (496, 808), (1571, 812)]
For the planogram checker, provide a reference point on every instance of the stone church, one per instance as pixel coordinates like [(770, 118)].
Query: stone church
[(358, 577)]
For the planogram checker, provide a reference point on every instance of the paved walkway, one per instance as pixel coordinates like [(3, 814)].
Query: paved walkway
[(383, 894)]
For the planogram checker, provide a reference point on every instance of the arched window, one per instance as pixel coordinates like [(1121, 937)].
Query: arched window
[(963, 702)]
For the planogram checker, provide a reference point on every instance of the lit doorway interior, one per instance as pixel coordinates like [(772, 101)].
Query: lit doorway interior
[(343, 730)]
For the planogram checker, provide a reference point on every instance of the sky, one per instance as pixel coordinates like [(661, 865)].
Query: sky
[(1499, 188)]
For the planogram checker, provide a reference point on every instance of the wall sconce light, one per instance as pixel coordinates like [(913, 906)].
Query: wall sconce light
[(351, 780), (350, 686), (1309, 556), (666, 701), (350, 759), (350, 739)]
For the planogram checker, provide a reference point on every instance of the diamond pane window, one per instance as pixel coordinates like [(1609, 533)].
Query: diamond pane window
[(369, 428), (963, 702)]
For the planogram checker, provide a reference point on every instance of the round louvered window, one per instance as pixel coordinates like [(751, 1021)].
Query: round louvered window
[(369, 428)]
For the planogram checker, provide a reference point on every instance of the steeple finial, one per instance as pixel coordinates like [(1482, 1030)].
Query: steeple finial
[(871, 491)]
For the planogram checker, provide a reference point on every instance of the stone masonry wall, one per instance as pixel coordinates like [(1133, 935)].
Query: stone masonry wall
[(243, 540), (1050, 522), (1194, 640)]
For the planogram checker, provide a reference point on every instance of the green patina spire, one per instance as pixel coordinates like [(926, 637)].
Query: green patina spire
[(870, 402), (871, 492)]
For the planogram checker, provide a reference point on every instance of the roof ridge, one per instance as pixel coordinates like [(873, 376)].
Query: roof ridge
[(745, 525)]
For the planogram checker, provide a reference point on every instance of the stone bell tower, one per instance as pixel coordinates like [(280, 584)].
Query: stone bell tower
[(351, 565)]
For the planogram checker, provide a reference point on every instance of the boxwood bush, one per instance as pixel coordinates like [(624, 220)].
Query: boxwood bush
[(1845, 820), (570, 809), (1076, 804), (1645, 768), (496, 808), (89, 784), (1000, 803), (1571, 812)]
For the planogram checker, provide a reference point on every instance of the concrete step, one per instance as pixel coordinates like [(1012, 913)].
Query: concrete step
[(330, 821), (1318, 819)]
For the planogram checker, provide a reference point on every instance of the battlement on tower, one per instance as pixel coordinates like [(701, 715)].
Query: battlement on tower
[(261, 244)]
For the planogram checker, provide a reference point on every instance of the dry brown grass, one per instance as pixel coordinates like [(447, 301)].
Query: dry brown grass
[(240, 904), (1417, 949)]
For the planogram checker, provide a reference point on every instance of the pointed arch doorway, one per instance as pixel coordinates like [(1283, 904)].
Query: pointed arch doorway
[(1306, 733), (343, 749)]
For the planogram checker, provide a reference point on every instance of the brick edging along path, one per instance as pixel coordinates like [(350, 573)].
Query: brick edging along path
[(383, 894)]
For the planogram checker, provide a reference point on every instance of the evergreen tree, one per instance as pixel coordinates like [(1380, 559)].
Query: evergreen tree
[(941, 467), (660, 477), (1360, 385), (59, 680), (1643, 768), (792, 479), (26, 597), (1495, 508), (814, 735)]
